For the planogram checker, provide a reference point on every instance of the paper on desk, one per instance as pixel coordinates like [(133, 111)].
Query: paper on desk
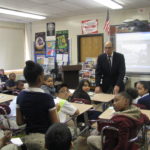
[(16, 141)]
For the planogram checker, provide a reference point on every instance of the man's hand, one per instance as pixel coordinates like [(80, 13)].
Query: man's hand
[(98, 89), (116, 89)]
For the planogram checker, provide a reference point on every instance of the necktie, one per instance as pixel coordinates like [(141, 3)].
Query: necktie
[(109, 62)]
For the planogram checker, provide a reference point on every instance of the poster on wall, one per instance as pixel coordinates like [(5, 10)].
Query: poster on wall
[(89, 26), (50, 29), (62, 42), (40, 59), (48, 63), (40, 43), (50, 49)]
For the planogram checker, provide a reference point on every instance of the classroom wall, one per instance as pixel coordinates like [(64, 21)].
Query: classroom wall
[(73, 24)]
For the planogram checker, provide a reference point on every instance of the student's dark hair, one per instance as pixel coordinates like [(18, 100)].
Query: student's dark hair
[(47, 76), (130, 94), (79, 88), (58, 87), (18, 82), (32, 71), (12, 73), (79, 92), (58, 137), (146, 84), (81, 83)]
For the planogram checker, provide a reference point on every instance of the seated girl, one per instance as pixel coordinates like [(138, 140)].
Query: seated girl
[(143, 91), (81, 94), (127, 119), (81, 91), (35, 107)]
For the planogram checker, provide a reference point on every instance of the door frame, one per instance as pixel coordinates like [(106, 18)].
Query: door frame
[(87, 35)]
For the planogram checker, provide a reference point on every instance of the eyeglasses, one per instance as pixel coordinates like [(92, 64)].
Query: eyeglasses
[(108, 47)]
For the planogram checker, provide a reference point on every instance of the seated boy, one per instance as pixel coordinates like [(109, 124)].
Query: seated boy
[(48, 85), (19, 87), (58, 137), (3, 77), (11, 84), (66, 108)]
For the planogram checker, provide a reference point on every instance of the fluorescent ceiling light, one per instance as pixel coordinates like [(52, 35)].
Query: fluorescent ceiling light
[(109, 3), (21, 14)]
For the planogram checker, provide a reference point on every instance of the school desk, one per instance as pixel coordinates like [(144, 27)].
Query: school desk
[(105, 99), (101, 97), (108, 113), (5, 97), (83, 108)]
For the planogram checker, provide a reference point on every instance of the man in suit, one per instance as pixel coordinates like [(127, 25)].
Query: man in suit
[(110, 71)]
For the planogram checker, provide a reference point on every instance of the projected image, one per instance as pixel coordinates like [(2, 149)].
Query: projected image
[(136, 50)]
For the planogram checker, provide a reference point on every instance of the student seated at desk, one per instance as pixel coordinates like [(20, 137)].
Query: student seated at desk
[(81, 94), (19, 87), (5, 133), (66, 108), (48, 85), (3, 77), (11, 84), (127, 119), (58, 137), (143, 91), (81, 91), (35, 107)]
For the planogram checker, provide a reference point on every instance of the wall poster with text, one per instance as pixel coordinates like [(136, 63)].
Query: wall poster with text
[(62, 42), (89, 26)]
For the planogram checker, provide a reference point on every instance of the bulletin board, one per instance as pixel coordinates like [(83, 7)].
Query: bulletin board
[(52, 51)]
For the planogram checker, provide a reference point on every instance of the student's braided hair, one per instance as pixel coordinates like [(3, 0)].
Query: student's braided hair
[(129, 94)]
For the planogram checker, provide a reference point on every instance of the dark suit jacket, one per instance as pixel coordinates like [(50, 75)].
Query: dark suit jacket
[(106, 77)]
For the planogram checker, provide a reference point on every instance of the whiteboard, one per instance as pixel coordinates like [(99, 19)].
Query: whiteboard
[(136, 49)]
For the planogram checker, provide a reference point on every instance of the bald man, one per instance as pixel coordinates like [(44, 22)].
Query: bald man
[(110, 71)]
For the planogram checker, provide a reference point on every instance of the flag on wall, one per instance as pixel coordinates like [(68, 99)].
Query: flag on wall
[(107, 23)]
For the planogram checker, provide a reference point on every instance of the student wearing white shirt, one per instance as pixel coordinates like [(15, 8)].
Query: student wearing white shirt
[(143, 91), (66, 108)]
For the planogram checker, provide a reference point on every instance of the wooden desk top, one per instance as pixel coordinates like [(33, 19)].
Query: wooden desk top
[(146, 112), (101, 97), (108, 113), (6, 97), (82, 107)]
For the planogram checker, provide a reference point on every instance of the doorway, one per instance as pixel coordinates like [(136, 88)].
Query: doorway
[(90, 45)]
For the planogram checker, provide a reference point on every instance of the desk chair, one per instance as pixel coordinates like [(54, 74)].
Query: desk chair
[(140, 138), (116, 135), (80, 101)]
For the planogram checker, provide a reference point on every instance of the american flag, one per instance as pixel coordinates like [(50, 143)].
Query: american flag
[(107, 23)]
